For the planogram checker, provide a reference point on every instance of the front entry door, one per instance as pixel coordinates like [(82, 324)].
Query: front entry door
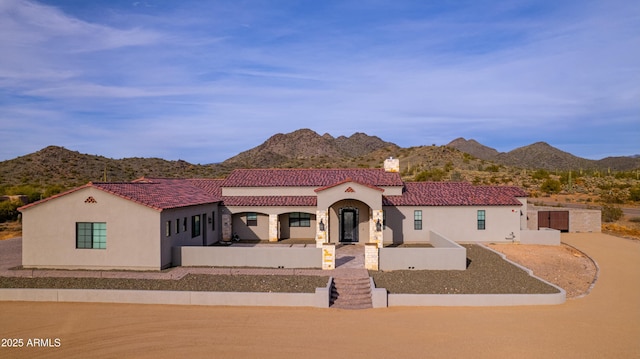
[(349, 225)]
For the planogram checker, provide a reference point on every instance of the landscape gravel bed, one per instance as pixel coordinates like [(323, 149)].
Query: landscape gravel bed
[(486, 273), (190, 282)]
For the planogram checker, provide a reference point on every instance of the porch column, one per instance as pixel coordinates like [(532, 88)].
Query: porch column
[(321, 221), (273, 228), (375, 221), (227, 229)]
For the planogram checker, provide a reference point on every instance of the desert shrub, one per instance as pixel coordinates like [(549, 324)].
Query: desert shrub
[(634, 194), (435, 174), (540, 174), (9, 210), (612, 196), (611, 213), (634, 219), (551, 186)]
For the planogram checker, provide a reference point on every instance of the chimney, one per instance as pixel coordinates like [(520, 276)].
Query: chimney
[(392, 165)]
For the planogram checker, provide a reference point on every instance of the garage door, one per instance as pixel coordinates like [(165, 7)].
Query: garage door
[(554, 219)]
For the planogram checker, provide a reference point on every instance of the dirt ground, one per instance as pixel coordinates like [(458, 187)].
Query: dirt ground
[(603, 324), (563, 266)]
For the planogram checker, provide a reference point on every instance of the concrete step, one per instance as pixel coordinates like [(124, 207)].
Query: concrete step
[(351, 293)]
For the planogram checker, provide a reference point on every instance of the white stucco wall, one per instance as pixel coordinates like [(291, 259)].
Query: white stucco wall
[(49, 233), (456, 223)]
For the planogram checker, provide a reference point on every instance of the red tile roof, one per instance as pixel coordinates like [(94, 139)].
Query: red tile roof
[(270, 201), (454, 194), (310, 177), (157, 193)]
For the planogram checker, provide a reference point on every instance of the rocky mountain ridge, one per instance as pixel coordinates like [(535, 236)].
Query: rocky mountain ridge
[(303, 148)]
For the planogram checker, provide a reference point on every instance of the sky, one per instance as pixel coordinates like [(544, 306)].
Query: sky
[(202, 81)]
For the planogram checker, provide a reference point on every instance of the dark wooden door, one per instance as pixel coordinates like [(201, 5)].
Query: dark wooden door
[(554, 219)]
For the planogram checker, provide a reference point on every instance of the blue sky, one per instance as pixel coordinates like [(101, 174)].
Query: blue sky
[(204, 80)]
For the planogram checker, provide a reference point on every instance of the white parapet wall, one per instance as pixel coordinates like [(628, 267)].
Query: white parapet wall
[(264, 257), (445, 255), (545, 236), (319, 299)]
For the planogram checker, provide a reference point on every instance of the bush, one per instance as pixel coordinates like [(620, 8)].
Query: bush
[(435, 174), (611, 213), (551, 186), (540, 174), (9, 210), (634, 194)]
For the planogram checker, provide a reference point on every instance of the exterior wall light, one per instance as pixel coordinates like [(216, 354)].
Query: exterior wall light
[(378, 225), (321, 225)]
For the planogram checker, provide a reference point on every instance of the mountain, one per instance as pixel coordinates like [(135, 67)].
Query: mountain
[(474, 148), (541, 155), (306, 148), (56, 165)]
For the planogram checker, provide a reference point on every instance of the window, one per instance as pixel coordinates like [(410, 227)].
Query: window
[(91, 235), (299, 219), (481, 219), (417, 219), (384, 219), (252, 219), (195, 226), (213, 220), (167, 229), (184, 224), (177, 225)]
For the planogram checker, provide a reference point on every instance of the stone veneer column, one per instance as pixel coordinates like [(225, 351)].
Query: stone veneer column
[(375, 236), (321, 236), (227, 229), (371, 256), (328, 256), (273, 228)]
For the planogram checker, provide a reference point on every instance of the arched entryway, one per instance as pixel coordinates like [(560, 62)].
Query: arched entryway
[(349, 222)]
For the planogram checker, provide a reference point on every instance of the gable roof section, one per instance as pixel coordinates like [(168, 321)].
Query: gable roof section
[(454, 194), (310, 177), (158, 194)]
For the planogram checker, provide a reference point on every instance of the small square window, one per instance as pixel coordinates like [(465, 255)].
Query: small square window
[(91, 235), (252, 219)]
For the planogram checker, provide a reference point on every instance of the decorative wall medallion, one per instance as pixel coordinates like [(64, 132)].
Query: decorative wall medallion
[(90, 199), (349, 190)]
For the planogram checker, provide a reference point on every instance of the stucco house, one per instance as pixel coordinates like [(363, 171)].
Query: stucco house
[(135, 225)]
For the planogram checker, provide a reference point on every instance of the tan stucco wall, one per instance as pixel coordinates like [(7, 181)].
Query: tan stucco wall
[(367, 195), (456, 223), (49, 233), (296, 232), (207, 235)]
